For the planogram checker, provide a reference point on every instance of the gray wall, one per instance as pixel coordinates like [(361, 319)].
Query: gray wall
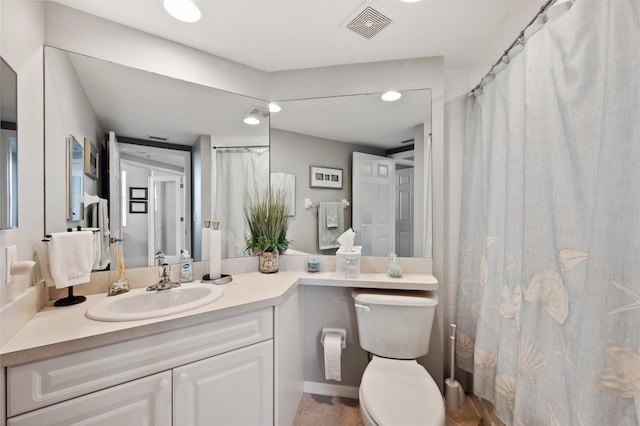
[(294, 153)]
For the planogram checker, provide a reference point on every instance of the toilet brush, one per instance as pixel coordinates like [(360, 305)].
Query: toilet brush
[(454, 394)]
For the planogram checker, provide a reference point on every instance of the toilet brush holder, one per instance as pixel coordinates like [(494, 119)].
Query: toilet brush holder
[(453, 392)]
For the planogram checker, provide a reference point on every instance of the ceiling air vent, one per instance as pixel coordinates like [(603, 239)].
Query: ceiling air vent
[(369, 22)]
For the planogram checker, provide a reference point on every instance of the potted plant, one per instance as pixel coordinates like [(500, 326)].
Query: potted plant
[(268, 220)]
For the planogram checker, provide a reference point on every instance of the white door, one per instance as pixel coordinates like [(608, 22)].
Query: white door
[(404, 212), (145, 401), (115, 192), (234, 388), (373, 190), (166, 218)]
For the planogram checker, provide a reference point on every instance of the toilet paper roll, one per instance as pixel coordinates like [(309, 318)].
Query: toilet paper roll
[(206, 254), (332, 353), (22, 267), (215, 247)]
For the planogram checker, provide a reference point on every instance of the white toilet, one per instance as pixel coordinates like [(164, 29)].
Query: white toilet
[(395, 327)]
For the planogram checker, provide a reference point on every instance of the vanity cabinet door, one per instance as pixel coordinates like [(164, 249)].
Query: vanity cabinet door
[(234, 388), (145, 401)]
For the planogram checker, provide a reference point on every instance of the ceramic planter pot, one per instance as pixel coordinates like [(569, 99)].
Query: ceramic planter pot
[(268, 262)]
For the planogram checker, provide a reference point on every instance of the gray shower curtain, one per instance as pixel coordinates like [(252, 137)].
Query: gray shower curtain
[(548, 307)]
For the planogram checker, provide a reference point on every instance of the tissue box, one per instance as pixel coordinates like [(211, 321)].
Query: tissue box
[(348, 262)]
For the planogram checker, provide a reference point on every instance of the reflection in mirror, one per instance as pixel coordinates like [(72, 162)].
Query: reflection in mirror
[(150, 131), (75, 184), (8, 146), (239, 171), (286, 183), (357, 134)]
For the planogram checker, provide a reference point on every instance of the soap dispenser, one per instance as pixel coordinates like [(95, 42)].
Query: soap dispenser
[(186, 269)]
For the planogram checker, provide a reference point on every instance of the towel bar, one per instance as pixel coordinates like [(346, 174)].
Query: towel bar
[(308, 204)]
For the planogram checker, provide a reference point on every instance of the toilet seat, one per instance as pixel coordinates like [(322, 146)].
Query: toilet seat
[(400, 392)]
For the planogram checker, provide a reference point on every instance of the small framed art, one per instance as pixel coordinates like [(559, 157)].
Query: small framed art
[(325, 177), (137, 207), (137, 193)]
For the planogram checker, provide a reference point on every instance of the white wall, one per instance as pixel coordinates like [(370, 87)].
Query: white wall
[(294, 153), (69, 112), (22, 28)]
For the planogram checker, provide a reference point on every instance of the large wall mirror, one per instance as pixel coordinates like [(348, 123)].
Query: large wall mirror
[(8, 146), (156, 150), (382, 151), (170, 155)]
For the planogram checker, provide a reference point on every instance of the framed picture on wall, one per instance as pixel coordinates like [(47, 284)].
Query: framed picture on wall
[(91, 159), (138, 207), (136, 193), (325, 177)]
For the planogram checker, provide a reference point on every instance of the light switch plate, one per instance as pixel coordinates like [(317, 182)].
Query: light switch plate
[(10, 257)]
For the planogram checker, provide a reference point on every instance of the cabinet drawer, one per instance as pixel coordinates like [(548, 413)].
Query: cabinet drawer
[(47, 382), (145, 401)]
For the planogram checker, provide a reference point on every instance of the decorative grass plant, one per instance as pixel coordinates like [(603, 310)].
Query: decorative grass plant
[(267, 216)]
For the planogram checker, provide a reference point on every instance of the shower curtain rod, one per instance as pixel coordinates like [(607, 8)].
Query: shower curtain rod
[(518, 39), (241, 147)]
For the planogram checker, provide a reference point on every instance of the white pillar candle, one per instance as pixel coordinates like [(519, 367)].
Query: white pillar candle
[(215, 268)]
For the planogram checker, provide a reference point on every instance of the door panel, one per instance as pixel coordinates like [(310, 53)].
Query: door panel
[(373, 203)]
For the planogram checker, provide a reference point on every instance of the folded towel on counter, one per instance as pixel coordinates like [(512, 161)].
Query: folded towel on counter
[(327, 237), (71, 257)]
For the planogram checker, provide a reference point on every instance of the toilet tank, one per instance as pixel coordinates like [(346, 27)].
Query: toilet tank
[(395, 324)]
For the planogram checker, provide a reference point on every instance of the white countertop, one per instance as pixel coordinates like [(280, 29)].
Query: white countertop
[(57, 331)]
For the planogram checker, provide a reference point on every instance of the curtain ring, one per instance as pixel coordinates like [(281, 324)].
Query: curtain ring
[(521, 39), (542, 18), (505, 59)]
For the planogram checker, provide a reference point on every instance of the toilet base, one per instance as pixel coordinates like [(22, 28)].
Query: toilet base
[(366, 418), (399, 392)]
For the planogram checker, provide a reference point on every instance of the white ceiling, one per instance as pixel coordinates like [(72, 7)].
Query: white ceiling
[(274, 35)]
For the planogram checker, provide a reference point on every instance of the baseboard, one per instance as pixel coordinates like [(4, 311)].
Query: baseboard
[(329, 389)]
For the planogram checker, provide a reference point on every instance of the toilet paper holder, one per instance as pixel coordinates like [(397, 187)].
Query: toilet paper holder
[(341, 331)]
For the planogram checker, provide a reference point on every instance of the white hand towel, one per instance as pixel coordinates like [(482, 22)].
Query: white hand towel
[(332, 215), (42, 259), (97, 246), (71, 257), (103, 224), (327, 237)]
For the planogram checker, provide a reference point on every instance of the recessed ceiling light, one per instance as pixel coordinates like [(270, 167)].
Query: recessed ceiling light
[(251, 120), (273, 107), (410, 1), (391, 96), (183, 10)]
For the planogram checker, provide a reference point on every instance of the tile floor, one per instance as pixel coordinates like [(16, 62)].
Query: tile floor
[(320, 410)]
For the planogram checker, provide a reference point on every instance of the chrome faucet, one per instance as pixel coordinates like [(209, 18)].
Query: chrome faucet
[(165, 280), (159, 258)]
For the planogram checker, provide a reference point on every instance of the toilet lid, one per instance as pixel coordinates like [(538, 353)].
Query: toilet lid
[(400, 392)]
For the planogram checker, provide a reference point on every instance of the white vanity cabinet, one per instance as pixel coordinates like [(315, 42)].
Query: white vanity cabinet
[(235, 388), (214, 373)]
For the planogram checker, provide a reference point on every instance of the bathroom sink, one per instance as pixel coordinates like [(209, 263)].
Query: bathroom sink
[(141, 304)]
